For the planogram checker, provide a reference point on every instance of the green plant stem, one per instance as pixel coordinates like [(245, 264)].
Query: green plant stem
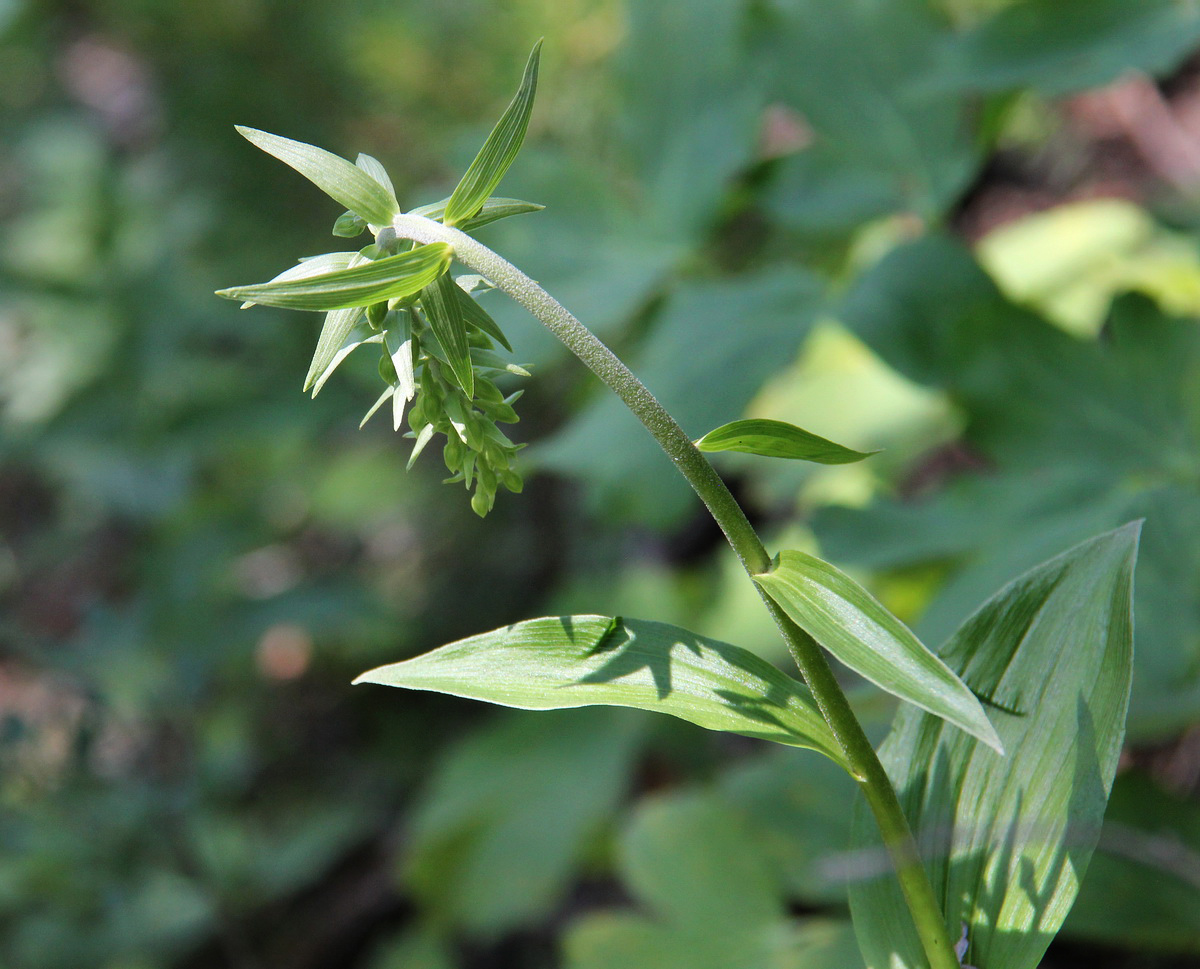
[(700, 474)]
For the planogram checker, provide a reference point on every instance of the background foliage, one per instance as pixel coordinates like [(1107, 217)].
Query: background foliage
[(963, 231)]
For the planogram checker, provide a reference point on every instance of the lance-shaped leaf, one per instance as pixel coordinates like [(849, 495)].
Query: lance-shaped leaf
[(374, 168), (1006, 840), (357, 332), (315, 266), (440, 300), (778, 439), (341, 180), (493, 210), (476, 316), (859, 630), (389, 278), (399, 342), (498, 151), (576, 661)]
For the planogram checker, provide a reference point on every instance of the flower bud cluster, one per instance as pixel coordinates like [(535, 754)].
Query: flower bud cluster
[(476, 451)]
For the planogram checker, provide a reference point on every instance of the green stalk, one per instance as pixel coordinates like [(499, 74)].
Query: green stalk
[(700, 474)]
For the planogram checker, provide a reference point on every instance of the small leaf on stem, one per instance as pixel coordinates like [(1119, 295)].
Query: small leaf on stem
[(498, 151), (332, 174), (778, 439), (859, 630)]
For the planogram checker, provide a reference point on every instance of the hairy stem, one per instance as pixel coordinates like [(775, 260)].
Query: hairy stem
[(703, 478)]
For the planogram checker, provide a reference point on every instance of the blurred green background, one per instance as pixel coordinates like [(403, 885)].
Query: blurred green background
[(963, 231)]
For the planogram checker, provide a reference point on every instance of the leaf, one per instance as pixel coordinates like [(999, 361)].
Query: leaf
[(392, 277), (1007, 840), (374, 168), (1058, 47), (713, 895), (349, 225), (359, 332), (493, 210), (864, 88), (853, 625), (313, 267), (498, 151), (1078, 435), (440, 300), (574, 661), (691, 124), (399, 342), (333, 175), (797, 807), (476, 316), (503, 822), (778, 439)]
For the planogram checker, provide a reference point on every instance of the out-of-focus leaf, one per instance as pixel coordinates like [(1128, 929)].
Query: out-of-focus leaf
[(864, 88), (316, 266), (389, 278), (493, 210), (443, 308), (715, 900), (856, 627), (1007, 840), (797, 808), (498, 151), (1069, 262), (777, 439), (339, 179), (414, 949), (496, 836), (700, 127), (574, 661), (1142, 889), (1061, 46)]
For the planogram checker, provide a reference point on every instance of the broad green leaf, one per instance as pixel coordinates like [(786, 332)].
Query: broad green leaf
[(777, 439), (498, 151), (503, 823), (859, 630), (1007, 840), (389, 278), (1078, 435), (573, 661), (493, 210), (339, 179), (476, 316), (315, 266), (441, 302)]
